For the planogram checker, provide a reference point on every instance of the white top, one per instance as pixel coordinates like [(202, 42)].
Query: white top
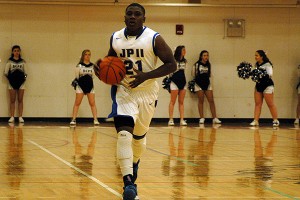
[(13, 65), (268, 67), (82, 70), (137, 52)]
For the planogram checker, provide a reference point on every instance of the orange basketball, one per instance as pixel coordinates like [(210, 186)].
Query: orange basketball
[(112, 70)]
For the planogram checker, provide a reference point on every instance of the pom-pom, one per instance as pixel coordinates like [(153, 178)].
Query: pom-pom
[(191, 86), (244, 70), (166, 83), (258, 74), (74, 83)]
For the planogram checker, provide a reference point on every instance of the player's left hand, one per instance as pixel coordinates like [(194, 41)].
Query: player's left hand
[(139, 78)]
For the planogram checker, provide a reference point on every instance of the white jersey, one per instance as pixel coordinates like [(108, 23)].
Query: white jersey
[(268, 67), (13, 65), (137, 52), (83, 69)]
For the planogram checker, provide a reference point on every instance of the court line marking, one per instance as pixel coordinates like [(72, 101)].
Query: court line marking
[(280, 193), (77, 169)]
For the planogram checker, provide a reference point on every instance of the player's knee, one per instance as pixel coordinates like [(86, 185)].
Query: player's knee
[(140, 143), (180, 102), (211, 101), (20, 100), (12, 100), (172, 103), (138, 147), (124, 149), (124, 123), (77, 103), (200, 100), (258, 104)]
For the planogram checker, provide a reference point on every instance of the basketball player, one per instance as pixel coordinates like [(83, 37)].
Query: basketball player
[(201, 72), (298, 105), (84, 75), (16, 75), (134, 100), (264, 89), (178, 85)]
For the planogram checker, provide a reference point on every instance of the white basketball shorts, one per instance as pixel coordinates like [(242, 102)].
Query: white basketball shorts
[(138, 103)]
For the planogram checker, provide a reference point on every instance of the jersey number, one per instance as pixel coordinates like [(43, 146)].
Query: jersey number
[(129, 66)]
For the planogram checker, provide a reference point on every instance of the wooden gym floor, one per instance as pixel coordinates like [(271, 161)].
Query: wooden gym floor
[(232, 161)]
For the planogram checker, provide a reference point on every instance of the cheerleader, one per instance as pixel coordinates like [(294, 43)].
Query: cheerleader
[(264, 89), (16, 75), (298, 105), (178, 86), (83, 85), (201, 73)]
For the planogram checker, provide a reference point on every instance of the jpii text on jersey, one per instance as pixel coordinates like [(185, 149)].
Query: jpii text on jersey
[(131, 52)]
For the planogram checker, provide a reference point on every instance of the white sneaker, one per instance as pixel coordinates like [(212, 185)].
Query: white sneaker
[(296, 121), (183, 123), (96, 122), (216, 121), (171, 122), (276, 123), (201, 120), (73, 122), (254, 123), (11, 120), (21, 120)]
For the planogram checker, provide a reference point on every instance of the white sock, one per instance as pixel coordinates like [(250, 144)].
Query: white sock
[(124, 152)]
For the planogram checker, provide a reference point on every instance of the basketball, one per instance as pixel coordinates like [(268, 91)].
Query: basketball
[(111, 70)]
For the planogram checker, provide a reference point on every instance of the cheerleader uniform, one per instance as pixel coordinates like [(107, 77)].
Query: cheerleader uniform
[(15, 73), (202, 76), (84, 74), (266, 85), (178, 80)]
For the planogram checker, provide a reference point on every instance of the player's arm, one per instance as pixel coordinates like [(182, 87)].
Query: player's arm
[(77, 72), (24, 69), (164, 52), (6, 70)]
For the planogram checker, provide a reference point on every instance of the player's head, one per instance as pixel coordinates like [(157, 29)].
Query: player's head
[(137, 5), (204, 56), (16, 51), (134, 17), (261, 57), (179, 53), (85, 55)]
